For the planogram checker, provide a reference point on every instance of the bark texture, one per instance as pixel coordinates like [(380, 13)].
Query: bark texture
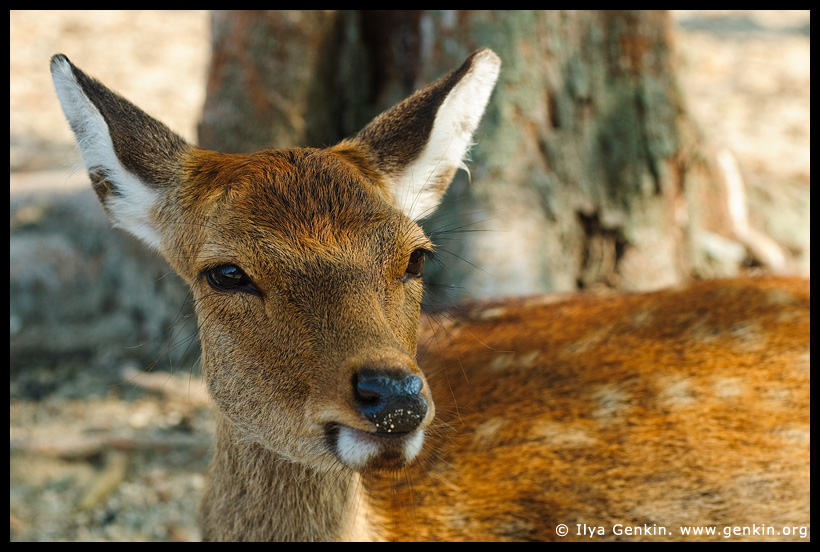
[(587, 170)]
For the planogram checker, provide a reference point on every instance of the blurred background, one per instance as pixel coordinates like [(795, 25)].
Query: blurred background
[(109, 425)]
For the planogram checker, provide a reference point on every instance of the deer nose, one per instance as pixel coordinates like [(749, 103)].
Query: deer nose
[(392, 401)]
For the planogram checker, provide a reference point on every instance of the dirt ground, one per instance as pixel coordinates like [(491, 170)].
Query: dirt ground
[(128, 463)]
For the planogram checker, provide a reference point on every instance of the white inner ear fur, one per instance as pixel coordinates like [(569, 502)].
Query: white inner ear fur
[(418, 190), (132, 203)]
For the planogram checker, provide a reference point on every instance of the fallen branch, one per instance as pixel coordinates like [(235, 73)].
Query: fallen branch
[(189, 389), (84, 446)]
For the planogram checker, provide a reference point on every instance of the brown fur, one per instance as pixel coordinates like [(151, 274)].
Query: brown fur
[(686, 407), (653, 411)]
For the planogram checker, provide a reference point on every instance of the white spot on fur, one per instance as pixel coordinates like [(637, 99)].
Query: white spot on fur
[(613, 404), (544, 299), (501, 361), (486, 434), (676, 392), (794, 433), (527, 359), (561, 435), (489, 314), (506, 359), (729, 388)]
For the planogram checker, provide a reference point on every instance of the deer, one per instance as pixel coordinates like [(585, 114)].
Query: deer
[(344, 412)]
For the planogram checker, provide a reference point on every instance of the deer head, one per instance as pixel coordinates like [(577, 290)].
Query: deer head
[(305, 264)]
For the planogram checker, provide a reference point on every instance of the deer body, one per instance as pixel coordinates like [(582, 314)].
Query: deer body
[(338, 419)]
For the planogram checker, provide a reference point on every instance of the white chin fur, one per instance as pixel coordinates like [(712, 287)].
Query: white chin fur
[(356, 448)]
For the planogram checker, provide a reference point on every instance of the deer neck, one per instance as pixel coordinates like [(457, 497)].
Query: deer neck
[(253, 494)]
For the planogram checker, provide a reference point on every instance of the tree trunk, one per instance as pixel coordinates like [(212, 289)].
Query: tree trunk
[(586, 170)]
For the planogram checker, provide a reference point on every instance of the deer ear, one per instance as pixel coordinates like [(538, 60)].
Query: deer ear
[(131, 158), (421, 142)]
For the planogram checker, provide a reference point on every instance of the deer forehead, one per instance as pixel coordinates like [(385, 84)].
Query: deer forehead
[(295, 203)]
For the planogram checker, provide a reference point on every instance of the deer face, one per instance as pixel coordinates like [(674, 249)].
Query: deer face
[(307, 285)]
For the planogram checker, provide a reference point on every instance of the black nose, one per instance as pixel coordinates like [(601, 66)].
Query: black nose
[(390, 400)]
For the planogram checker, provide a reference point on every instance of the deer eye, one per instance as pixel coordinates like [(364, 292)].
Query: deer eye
[(414, 266), (229, 278)]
